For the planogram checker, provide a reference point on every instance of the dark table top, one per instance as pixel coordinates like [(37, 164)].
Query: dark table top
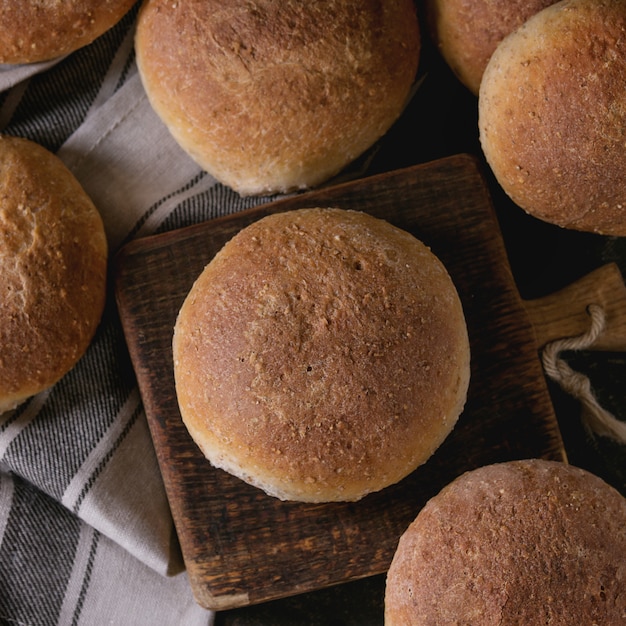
[(442, 120)]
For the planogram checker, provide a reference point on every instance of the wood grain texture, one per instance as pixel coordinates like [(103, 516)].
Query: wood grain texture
[(242, 547), (564, 312)]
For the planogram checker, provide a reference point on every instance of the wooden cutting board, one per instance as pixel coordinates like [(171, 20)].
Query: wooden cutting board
[(242, 547)]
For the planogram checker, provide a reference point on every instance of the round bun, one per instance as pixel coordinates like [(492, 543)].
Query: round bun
[(271, 97), (524, 542), (53, 256), (321, 355), (41, 31), (552, 113), (467, 33)]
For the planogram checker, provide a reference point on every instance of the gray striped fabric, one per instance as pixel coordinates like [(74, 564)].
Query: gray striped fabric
[(86, 536)]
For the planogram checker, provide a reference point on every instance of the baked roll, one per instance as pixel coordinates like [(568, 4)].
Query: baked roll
[(41, 31), (275, 96), (519, 543), (467, 32), (552, 114), (53, 264), (321, 355)]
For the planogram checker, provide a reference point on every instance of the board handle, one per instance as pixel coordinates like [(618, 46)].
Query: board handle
[(564, 312)]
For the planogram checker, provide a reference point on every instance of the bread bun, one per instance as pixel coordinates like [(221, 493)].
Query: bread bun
[(271, 97), (41, 31), (467, 33), (53, 255), (519, 543), (321, 355), (552, 114)]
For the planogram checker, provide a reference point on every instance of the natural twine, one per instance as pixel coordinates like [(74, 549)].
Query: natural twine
[(595, 418)]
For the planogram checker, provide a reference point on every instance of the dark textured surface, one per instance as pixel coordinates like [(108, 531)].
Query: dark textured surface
[(243, 547), (441, 121)]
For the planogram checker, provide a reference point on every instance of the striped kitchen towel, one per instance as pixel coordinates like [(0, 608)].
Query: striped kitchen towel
[(86, 534)]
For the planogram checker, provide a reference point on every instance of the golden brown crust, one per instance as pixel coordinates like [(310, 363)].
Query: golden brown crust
[(46, 29), (321, 355), (552, 115), (519, 543), (53, 255), (468, 31), (275, 96)]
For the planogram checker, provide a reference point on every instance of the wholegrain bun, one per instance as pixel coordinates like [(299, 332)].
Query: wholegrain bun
[(467, 33), (53, 255), (552, 114), (519, 543), (41, 31), (321, 355), (270, 96)]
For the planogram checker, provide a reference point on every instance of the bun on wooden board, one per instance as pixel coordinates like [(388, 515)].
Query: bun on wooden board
[(321, 355), (275, 96), (53, 258), (552, 115), (513, 544), (41, 31), (467, 32)]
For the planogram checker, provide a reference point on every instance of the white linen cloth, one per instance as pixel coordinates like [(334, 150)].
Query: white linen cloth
[(86, 534)]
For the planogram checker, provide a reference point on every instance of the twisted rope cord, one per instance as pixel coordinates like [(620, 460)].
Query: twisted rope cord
[(596, 419)]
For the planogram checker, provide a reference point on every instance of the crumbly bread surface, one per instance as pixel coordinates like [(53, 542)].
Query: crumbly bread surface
[(53, 255), (552, 115), (46, 29), (519, 543), (321, 355), (275, 96), (468, 31)]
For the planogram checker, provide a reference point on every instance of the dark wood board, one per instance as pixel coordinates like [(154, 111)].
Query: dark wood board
[(242, 547)]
